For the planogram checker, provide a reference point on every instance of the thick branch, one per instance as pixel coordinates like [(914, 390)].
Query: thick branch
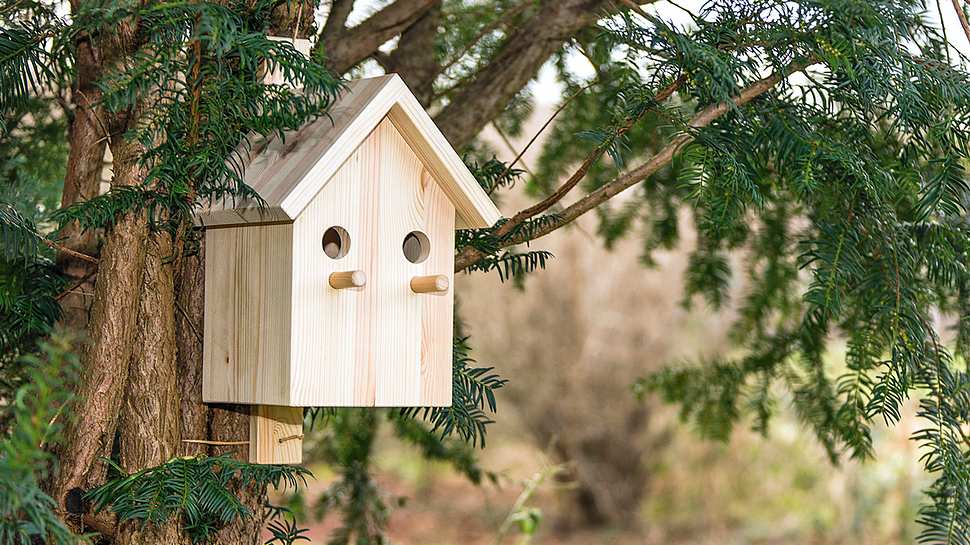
[(469, 255), (347, 48), (88, 138), (414, 58), (336, 23), (483, 97)]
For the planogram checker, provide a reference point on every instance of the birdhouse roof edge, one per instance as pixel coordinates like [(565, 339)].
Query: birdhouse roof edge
[(353, 117)]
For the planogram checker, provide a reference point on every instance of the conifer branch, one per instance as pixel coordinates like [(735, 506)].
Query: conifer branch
[(470, 255)]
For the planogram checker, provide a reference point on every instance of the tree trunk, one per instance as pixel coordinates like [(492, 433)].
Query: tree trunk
[(105, 361), (479, 101), (82, 180)]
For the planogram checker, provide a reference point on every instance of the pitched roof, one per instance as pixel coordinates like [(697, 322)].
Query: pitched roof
[(288, 173)]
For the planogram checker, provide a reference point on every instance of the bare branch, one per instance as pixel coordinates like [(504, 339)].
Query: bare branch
[(963, 18), (469, 255), (485, 31), (336, 23), (583, 169), (480, 99), (414, 57), (351, 46)]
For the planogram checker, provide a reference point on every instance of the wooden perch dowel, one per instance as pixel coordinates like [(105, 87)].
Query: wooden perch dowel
[(435, 283), (347, 279)]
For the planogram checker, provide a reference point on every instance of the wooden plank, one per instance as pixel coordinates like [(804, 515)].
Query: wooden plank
[(275, 435), (246, 335), (396, 343), (331, 328), (289, 174), (412, 335), (472, 205), (437, 312)]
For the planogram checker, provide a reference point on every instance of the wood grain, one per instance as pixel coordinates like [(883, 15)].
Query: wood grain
[(288, 174), (278, 332), (347, 280), (431, 284), (276, 435), (248, 299)]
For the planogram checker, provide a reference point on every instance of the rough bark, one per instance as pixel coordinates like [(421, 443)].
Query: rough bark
[(149, 422), (344, 48), (106, 358), (88, 139), (414, 56), (293, 18), (148, 428), (483, 97), (190, 306)]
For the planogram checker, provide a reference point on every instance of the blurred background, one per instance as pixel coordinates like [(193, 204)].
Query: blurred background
[(576, 457)]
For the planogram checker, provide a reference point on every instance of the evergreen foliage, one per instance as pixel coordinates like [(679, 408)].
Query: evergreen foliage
[(840, 195), (473, 393), (35, 415), (843, 191), (196, 490)]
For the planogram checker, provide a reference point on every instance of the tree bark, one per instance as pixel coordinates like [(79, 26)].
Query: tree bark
[(88, 138), (190, 306), (482, 98), (344, 48), (105, 361), (414, 56)]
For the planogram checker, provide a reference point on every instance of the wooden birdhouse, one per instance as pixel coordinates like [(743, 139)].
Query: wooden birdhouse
[(337, 292)]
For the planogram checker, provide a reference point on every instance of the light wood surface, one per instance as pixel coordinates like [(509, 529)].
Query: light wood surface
[(289, 174), (246, 330), (347, 279), (435, 284), (277, 333), (275, 435), (382, 344)]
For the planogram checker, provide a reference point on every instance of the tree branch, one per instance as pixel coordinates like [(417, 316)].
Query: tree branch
[(345, 49), (468, 256), (414, 57), (336, 23), (480, 99), (963, 18), (583, 169)]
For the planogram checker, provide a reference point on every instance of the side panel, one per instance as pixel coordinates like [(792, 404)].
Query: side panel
[(332, 361), (412, 333), (247, 315)]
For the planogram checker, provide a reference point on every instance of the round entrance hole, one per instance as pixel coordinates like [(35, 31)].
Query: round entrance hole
[(416, 247), (336, 242)]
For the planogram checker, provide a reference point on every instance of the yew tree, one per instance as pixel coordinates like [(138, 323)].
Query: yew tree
[(818, 145)]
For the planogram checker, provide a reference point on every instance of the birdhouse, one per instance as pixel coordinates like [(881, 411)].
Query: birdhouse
[(337, 291)]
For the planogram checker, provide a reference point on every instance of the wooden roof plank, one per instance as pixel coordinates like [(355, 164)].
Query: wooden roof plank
[(288, 173)]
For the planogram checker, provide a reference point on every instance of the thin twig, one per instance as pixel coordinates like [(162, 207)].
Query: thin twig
[(963, 18), (470, 255), (583, 169), (75, 285), (500, 21), (61, 248), (544, 126), (188, 320)]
